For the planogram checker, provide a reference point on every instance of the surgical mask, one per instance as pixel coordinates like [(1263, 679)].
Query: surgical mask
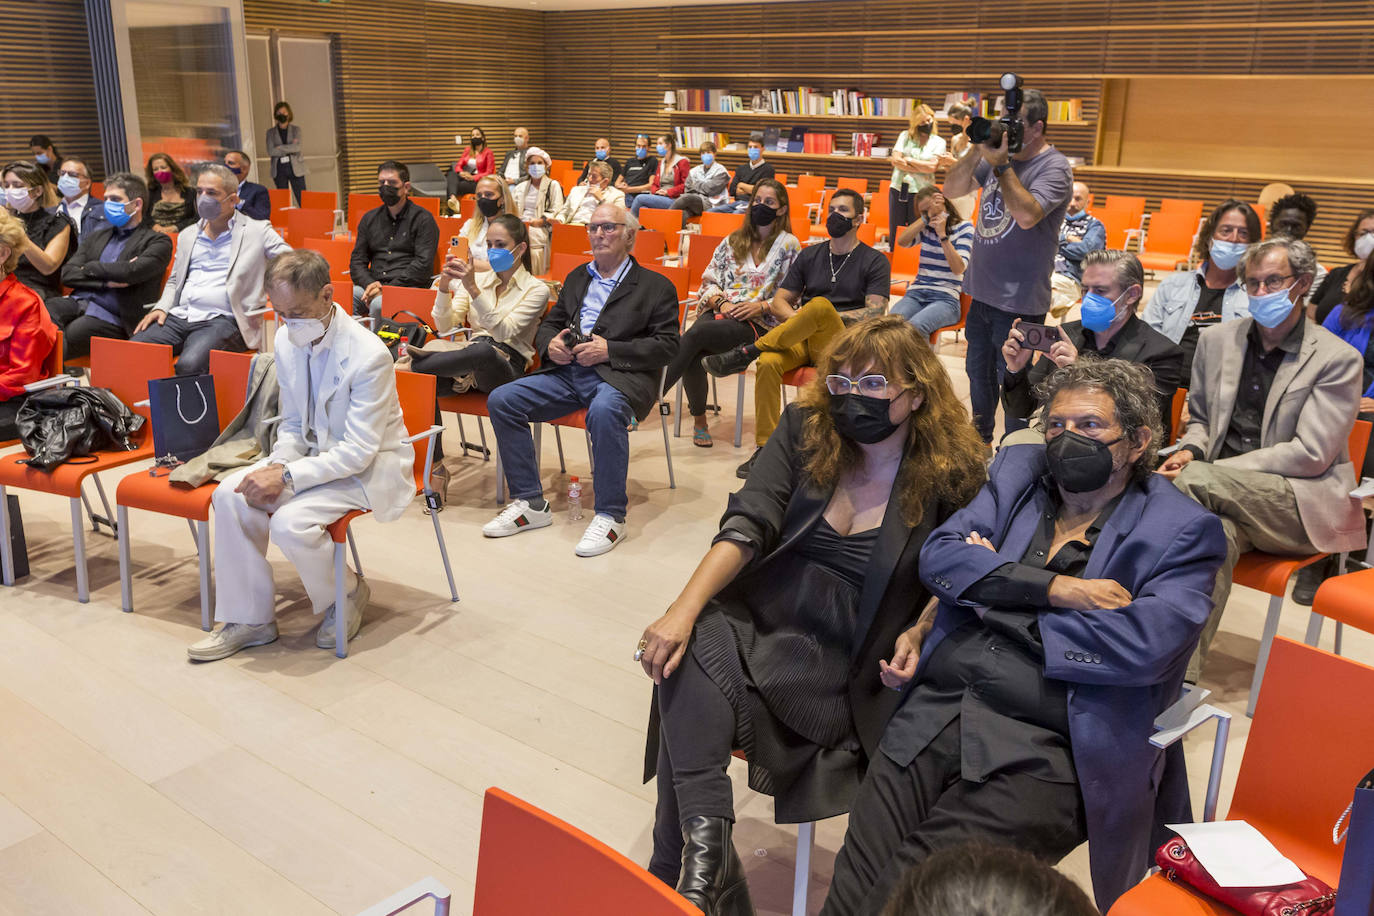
[(282, 119), (755, 154), (762, 215), (1271, 309), (641, 152), (1226, 255), (1099, 312), (707, 160), (1079, 463), (116, 214), (207, 208), (18, 198), (536, 170), (1364, 245), (69, 186), (389, 194), (661, 150), (500, 259), (42, 159), (304, 331), (602, 154), (162, 175), (489, 206), (837, 224), (519, 142), (863, 419)]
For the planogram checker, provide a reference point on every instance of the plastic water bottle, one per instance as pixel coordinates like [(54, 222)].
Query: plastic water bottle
[(574, 500)]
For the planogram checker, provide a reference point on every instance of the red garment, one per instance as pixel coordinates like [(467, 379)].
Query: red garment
[(27, 336), (486, 162), (680, 170)]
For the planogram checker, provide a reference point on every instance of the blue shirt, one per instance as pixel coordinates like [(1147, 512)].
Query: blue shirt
[(599, 291), (203, 294), (103, 304), (1357, 337)]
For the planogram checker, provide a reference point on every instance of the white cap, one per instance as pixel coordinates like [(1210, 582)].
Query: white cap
[(536, 151)]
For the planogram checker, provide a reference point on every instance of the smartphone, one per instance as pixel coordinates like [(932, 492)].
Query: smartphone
[(458, 248), (1038, 336)]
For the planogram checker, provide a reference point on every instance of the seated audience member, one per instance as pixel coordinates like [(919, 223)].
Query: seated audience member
[(777, 642), (827, 287), (502, 307), (513, 164), (45, 155), (216, 280), (1109, 328), (1185, 302), (116, 271), (601, 152), (1358, 243), (639, 171), (537, 199), (977, 879), (30, 333), (169, 190), (492, 199), (50, 235), (254, 201), (1072, 590), (602, 347), (1080, 233), (1270, 409), (668, 181), (915, 157), (396, 242), (1293, 215), (476, 162), (74, 185), (706, 183), (339, 447), (747, 176), (931, 301), (737, 289), (585, 198)]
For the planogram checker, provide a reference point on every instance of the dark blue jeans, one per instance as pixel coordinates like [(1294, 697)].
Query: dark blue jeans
[(986, 329), (547, 396), (192, 341)]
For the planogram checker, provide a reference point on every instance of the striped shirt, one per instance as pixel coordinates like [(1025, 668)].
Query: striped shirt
[(934, 272)]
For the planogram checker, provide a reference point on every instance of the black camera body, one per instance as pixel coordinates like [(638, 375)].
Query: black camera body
[(575, 337), (989, 133)]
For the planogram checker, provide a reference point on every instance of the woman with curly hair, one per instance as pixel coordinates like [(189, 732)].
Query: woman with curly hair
[(777, 643), (170, 194)]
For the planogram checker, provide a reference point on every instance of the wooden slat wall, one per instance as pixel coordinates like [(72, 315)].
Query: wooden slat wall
[(45, 69)]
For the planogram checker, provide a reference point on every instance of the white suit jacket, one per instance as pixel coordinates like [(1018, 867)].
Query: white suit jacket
[(356, 417), (253, 242)]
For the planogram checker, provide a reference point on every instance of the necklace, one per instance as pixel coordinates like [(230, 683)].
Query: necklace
[(835, 271)]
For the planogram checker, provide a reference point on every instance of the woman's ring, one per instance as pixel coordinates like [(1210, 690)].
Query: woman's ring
[(641, 649)]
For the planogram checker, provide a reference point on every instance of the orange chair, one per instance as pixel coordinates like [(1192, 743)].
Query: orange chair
[(1132, 205), (417, 300), (429, 203), (416, 392), (1268, 573), (868, 233), (1176, 412), (808, 191), (667, 222), (339, 254), (781, 177), (796, 378), (905, 264), (577, 874), (817, 228), (319, 200), (700, 249), (140, 490), (570, 239), (358, 205), (559, 166), (1345, 599), (965, 301), (1169, 241), (879, 208), (561, 264), (125, 368), (651, 247), (853, 184), (679, 277), (1309, 744), (720, 224), (97, 191), (567, 179), (302, 224), (1191, 208), (280, 198), (1117, 224)]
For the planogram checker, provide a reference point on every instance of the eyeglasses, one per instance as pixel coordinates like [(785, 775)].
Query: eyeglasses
[(1272, 284), (602, 228), (873, 386)]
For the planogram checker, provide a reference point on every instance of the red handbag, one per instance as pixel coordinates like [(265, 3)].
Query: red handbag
[(1309, 897)]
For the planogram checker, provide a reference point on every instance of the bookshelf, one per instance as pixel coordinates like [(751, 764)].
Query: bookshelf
[(775, 116)]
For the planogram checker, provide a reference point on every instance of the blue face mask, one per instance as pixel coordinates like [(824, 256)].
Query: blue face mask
[(1271, 309), (661, 150), (641, 152), (536, 170), (755, 154), (69, 186), (42, 158), (500, 259), (116, 214), (602, 154), (1226, 255), (708, 159), (1098, 312)]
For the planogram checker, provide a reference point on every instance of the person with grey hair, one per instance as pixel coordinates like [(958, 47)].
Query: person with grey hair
[(583, 200), (340, 447), (603, 346), (216, 284), (1025, 706), (1272, 403)]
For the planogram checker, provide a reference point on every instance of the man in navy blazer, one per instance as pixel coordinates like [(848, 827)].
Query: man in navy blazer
[(1072, 591), (254, 201)]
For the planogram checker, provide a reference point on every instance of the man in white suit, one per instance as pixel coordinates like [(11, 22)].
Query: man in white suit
[(217, 278), (339, 448)]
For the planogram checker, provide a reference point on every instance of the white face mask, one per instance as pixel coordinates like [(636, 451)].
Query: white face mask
[(1364, 245), (302, 332), (18, 198)]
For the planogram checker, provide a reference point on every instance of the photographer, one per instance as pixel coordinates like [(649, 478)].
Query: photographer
[(1025, 194)]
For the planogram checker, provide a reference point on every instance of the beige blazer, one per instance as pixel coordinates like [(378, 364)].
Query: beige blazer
[(253, 242), (512, 319), (1306, 427), (547, 203), (578, 195)]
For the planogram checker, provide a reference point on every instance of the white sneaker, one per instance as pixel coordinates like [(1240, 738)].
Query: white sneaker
[(517, 517), (356, 601), (601, 535), (230, 638)]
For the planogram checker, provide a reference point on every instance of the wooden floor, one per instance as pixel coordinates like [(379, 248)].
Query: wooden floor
[(285, 781)]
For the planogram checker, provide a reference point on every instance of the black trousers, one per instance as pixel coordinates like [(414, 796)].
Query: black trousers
[(77, 336), (9, 409), (901, 212), (704, 338), (903, 814), (458, 185), (489, 364), (283, 177)]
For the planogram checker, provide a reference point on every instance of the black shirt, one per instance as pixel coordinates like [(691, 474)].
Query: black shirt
[(846, 555), (616, 169), (639, 171), (1330, 292), (859, 273), (1256, 378), (1207, 312), (751, 175), (395, 251), (42, 225)]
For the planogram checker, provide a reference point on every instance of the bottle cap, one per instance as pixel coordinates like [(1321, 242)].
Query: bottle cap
[(572, 480)]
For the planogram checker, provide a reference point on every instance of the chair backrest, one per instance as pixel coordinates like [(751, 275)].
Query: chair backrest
[(419, 300), (416, 392), (358, 205), (577, 875), (1176, 411), (868, 233), (1132, 205), (570, 239), (700, 249), (906, 261), (562, 263), (467, 205), (338, 252), (302, 224), (676, 274), (559, 166), (126, 368), (800, 220), (1306, 751), (568, 179), (231, 372), (97, 190), (319, 200), (668, 222), (854, 184), (280, 198), (650, 245), (720, 224), (1359, 444), (1115, 222), (808, 190), (429, 203), (1179, 205), (879, 207), (1170, 233)]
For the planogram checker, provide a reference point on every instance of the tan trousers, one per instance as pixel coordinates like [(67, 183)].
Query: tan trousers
[(798, 341), (1258, 512)]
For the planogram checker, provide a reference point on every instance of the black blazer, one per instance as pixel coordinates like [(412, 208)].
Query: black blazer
[(639, 322), (254, 201), (142, 264)]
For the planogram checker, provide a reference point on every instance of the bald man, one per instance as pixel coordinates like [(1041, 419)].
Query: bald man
[(602, 152), (1080, 233)]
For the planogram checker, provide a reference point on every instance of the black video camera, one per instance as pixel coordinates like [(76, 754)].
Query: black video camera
[(989, 133)]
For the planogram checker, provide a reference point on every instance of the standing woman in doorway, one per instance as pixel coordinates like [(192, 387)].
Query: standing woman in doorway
[(284, 149)]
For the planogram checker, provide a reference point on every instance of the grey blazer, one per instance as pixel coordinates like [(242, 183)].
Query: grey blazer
[(1305, 431), (292, 147)]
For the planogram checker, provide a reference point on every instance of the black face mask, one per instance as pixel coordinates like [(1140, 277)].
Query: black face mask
[(861, 418), (1079, 463), (282, 119), (478, 142), (837, 224), (390, 195), (489, 206), (923, 129), (762, 215)]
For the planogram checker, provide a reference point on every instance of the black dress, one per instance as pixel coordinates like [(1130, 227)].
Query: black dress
[(42, 224)]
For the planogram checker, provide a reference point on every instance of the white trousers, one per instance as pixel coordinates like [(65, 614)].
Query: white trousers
[(244, 588)]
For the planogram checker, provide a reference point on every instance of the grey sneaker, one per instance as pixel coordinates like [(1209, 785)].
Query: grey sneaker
[(230, 638), (357, 600)]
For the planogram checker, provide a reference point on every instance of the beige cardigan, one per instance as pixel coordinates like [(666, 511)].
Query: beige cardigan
[(512, 319)]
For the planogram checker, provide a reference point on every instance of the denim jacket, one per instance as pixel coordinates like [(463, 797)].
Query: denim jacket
[(1173, 303)]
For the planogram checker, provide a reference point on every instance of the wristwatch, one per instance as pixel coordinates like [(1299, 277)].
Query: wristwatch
[(286, 478), (999, 169)]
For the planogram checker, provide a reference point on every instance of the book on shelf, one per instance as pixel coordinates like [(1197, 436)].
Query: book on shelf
[(796, 141), (772, 140), (1067, 110), (863, 143), (690, 137), (823, 144)]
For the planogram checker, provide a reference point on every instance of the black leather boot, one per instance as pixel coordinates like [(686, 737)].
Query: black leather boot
[(712, 874)]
